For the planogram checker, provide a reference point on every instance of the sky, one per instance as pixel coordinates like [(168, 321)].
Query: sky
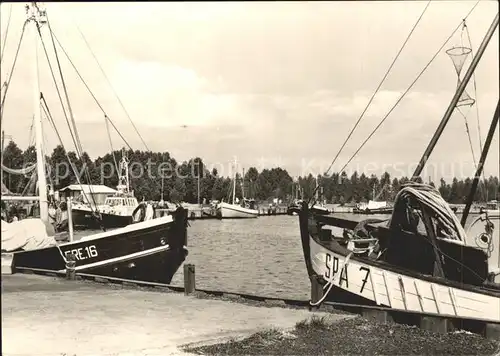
[(268, 83)]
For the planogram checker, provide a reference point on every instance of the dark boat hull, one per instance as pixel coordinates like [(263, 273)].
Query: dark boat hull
[(149, 251), (84, 218)]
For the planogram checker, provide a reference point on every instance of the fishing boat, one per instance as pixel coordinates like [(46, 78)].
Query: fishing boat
[(421, 261), (492, 208), (297, 195), (294, 207), (374, 206), (117, 209), (246, 209), (147, 249)]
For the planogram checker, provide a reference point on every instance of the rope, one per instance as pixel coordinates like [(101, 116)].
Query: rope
[(397, 102), (330, 282), (21, 171), (469, 137), (7, 83), (78, 144), (51, 120), (429, 196), (111, 143), (64, 111), (57, 89), (400, 98), (6, 33), (475, 89), (483, 187), (112, 89), (88, 89), (47, 113), (76, 138), (378, 88)]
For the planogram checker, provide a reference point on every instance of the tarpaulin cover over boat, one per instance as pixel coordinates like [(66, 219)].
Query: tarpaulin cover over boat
[(26, 234)]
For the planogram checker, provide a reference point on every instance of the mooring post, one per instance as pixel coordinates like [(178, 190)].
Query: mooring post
[(492, 331), (71, 267), (189, 279), (69, 208), (436, 324), (381, 316), (316, 290)]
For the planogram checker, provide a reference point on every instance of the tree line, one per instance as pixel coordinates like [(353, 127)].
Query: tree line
[(149, 171)]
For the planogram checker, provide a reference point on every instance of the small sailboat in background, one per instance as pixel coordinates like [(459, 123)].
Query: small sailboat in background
[(245, 209), (374, 206)]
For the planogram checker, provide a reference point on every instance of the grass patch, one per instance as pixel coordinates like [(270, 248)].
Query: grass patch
[(315, 322), (356, 336)]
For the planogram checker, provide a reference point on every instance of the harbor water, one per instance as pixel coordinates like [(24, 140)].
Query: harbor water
[(260, 256)]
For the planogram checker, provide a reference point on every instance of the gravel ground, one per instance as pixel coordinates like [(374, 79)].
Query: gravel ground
[(355, 336)]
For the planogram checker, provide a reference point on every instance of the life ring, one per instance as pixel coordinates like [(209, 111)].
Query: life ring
[(139, 213)]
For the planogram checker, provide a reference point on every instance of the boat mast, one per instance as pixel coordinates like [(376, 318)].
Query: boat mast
[(234, 180), (480, 165), (455, 99), (37, 18), (243, 184), (123, 181), (199, 183)]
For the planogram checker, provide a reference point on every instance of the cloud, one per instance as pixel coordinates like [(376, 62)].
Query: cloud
[(283, 81)]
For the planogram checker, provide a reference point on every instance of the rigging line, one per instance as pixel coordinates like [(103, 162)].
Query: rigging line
[(111, 143), (57, 89), (79, 143), (416, 79), (468, 136), (63, 83), (111, 86), (400, 98), (88, 89), (7, 83), (484, 189), (65, 114), (475, 89), (5, 36), (30, 135), (378, 87), (46, 110)]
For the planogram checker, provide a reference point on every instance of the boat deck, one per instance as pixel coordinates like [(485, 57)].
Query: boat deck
[(80, 318)]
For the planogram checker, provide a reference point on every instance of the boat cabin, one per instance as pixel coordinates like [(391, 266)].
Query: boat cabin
[(249, 204), (95, 193), (493, 205)]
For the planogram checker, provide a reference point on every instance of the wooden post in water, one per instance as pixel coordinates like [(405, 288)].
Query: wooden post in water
[(189, 279), (71, 267), (316, 290), (70, 218)]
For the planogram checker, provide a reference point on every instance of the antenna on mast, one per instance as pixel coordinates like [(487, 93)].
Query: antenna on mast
[(123, 179)]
